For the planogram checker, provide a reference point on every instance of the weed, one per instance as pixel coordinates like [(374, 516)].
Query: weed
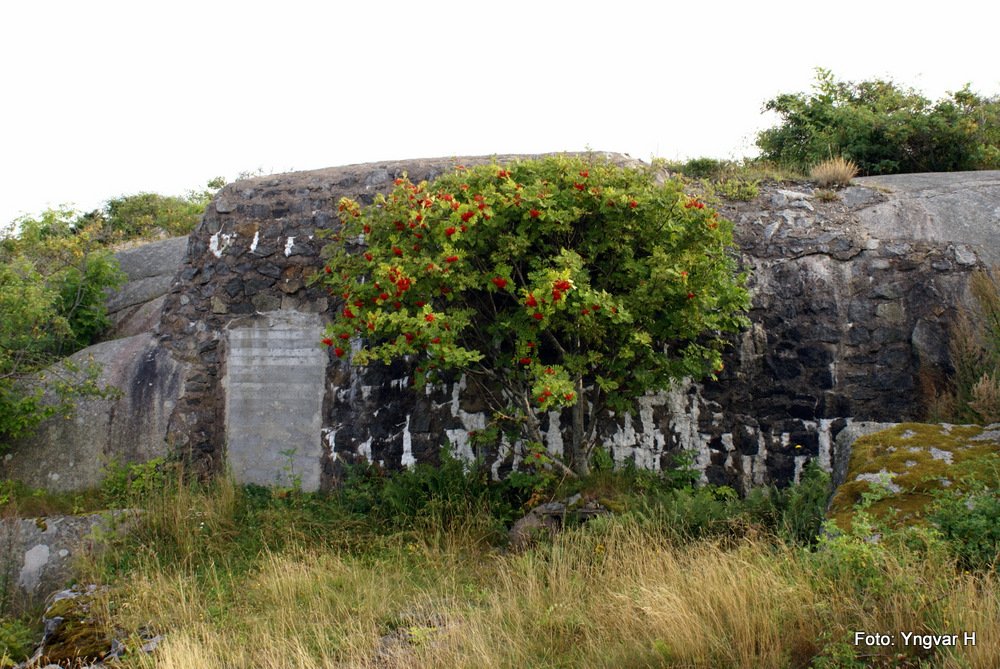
[(738, 189), (834, 172)]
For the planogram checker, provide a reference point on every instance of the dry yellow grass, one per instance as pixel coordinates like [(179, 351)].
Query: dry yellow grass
[(834, 172), (615, 597)]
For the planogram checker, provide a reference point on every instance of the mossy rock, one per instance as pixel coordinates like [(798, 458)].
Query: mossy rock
[(82, 635), (913, 461)]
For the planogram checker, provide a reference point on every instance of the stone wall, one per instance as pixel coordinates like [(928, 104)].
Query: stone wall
[(850, 316), (844, 324)]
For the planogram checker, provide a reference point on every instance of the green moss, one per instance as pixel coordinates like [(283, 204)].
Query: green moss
[(915, 457), (82, 635)]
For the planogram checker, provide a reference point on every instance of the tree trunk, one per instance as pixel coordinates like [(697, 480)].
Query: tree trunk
[(580, 455)]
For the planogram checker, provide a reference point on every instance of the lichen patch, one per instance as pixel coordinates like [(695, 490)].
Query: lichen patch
[(912, 461)]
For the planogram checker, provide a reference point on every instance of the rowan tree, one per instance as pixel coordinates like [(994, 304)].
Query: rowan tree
[(560, 283)]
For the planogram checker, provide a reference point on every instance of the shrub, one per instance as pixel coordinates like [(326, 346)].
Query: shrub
[(53, 273), (140, 215), (738, 189), (834, 172), (705, 168), (884, 128), (968, 515)]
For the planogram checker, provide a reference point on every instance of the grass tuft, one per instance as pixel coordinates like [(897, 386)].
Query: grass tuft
[(834, 172)]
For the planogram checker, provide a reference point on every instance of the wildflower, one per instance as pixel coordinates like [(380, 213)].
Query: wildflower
[(451, 259), (339, 352), (328, 341), (368, 257), (525, 361), (500, 283), (538, 317), (534, 213), (579, 186), (531, 301), (429, 318), (450, 231), (396, 251), (469, 214)]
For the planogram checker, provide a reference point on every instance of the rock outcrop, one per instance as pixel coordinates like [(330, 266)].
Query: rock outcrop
[(850, 316)]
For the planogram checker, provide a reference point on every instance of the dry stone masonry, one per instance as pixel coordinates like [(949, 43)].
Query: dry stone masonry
[(850, 321)]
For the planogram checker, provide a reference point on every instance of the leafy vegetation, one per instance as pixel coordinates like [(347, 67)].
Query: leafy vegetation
[(143, 214), (540, 281), (54, 271), (883, 128), (52, 279)]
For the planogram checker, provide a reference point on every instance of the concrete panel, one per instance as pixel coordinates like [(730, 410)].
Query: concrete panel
[(275, 369)]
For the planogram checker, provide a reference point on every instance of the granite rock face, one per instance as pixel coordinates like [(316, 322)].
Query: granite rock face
[(850, 321), (68, 454), (134, 308)]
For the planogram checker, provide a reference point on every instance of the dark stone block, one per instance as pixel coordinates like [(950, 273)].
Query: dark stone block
[(889, 336), (783, 369), (860, 310), (894, 357), (814, 356), (857, 335), (826, 333), (822, 379), (234, 287), (254, 286), (270, 269)]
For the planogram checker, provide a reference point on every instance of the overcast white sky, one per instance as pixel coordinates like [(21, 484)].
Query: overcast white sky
[(107, 98)]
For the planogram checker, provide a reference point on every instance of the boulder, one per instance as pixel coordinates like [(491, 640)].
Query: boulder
[(906, 464), (134, 307), (544, 519), (68, 453)]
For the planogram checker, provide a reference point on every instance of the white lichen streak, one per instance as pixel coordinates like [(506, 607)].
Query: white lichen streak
[(755, 466), (407, 458), (684, 425), (288, 246), (256, 238), (459, 438), (825, 445), (215, 247)]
